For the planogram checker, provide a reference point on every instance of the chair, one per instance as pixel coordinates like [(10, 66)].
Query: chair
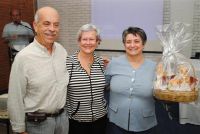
[(3, 111)]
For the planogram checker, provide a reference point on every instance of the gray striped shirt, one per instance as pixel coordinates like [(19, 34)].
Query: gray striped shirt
[(85, 98)]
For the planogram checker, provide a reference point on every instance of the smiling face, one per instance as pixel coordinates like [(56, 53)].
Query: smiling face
[(47, 26), (88, 42), (133, 45)]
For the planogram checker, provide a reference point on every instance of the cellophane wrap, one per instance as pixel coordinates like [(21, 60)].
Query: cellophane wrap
[(175, 71)]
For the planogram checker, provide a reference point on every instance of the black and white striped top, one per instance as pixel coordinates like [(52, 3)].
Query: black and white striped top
[(85, 96)]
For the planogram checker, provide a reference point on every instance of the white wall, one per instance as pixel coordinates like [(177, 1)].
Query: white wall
[(182, 11), (196, 28), (75, 13)]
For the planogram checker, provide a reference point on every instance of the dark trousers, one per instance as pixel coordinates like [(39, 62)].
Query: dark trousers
[(96, 127), (168, 120), (114, 129)]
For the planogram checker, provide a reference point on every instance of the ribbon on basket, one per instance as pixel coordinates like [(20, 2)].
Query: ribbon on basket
[(173, 39)]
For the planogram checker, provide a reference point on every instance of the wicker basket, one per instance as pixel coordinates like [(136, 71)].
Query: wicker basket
[(176, 96)]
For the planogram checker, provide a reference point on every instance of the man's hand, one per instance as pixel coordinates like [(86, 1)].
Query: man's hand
[(12, 37), (106, 60)]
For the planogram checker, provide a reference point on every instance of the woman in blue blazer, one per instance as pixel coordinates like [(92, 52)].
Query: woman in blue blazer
[(131, 104)]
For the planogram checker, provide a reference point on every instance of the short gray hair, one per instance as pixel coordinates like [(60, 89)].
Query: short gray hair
[(86, 28), (36, 17)]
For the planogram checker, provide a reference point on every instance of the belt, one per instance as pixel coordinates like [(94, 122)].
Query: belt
[(55, 114), (38, 115)]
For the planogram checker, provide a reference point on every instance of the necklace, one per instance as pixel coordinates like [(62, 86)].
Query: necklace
[(87, 61)]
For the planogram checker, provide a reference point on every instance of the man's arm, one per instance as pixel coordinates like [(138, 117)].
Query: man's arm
[(16, 93), (6, 36), (9, 39)]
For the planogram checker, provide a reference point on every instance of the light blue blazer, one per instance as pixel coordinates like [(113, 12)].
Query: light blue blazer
[(131, 103)]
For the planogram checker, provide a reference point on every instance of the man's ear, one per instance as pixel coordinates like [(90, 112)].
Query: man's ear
[(35, 26)]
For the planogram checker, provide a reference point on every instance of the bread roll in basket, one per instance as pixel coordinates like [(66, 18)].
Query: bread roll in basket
[(179, 87)]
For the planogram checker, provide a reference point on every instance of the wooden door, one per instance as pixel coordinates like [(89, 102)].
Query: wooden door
[(27, 8)]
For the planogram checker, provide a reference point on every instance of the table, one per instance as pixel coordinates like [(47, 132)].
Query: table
[(190, 112), (3, 111)]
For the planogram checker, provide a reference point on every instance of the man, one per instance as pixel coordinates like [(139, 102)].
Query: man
[(38, 81), (17, 34)]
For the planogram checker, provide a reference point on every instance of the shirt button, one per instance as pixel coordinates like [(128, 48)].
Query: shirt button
[(132, 79)]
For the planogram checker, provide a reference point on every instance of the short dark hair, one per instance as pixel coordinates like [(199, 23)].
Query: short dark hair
[(134, 31)]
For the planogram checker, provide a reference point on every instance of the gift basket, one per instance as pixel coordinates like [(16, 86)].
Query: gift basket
[(175, 75)]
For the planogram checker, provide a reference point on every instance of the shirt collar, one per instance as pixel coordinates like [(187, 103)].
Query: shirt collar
[(14, 23), (43, 48)]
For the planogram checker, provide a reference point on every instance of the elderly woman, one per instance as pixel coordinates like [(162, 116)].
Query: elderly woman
[(131, 105), (85, 99)]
